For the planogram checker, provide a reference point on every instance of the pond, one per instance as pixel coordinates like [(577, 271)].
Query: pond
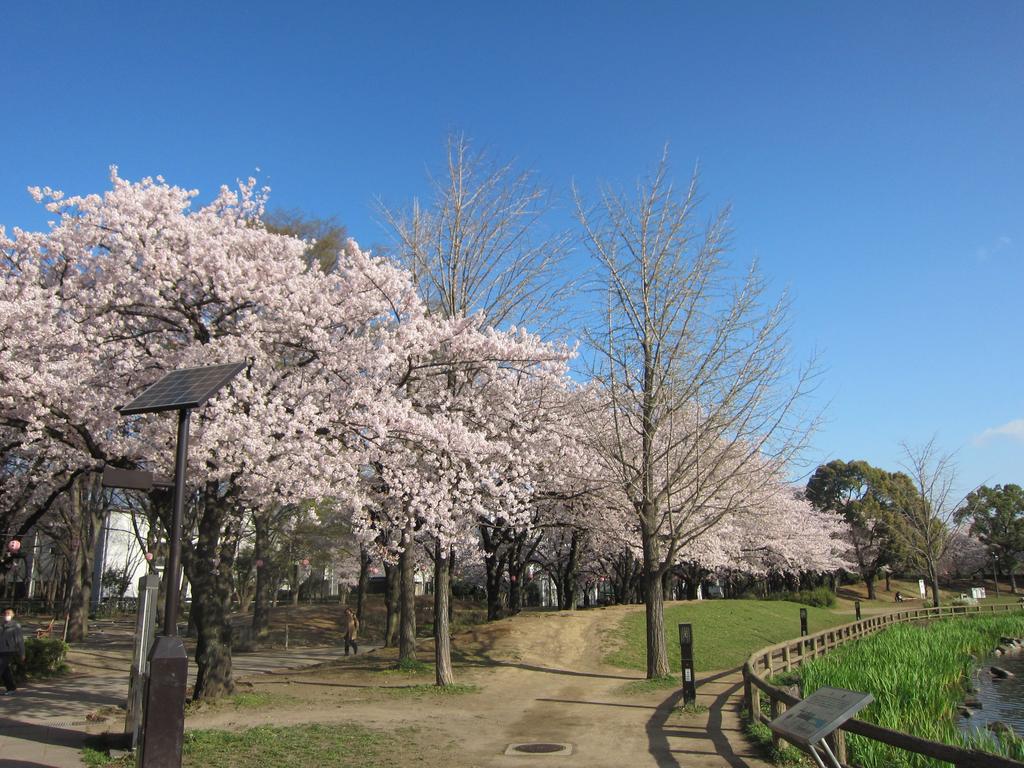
[(1001, 700)]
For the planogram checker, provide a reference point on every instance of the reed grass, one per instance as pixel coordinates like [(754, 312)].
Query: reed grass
[(918, 675)]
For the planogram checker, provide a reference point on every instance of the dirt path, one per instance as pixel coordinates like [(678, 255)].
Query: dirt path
[(541, 679)]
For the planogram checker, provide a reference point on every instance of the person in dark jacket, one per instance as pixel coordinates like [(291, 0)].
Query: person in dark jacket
[(12, 646)]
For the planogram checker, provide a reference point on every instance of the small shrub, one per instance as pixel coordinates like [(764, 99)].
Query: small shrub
[(961, 601), (413, 666), (43, 658)]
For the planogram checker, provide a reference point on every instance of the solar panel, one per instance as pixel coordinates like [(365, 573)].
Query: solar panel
[(187, 388)]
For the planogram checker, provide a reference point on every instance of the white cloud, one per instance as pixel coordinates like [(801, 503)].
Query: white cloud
[(1011, 429)]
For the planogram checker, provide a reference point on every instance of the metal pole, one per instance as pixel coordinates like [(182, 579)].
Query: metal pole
[(163, 724), (174, 561)]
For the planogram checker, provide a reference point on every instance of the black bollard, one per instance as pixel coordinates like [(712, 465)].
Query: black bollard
[(856, 605), (686, 656)]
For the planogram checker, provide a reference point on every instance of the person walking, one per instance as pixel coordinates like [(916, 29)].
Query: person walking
[(351, 630), (12, 645)]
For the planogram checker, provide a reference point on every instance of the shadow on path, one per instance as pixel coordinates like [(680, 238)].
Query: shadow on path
[(659, 732)]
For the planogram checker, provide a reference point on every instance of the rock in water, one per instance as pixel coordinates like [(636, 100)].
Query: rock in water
[(1001, 673)]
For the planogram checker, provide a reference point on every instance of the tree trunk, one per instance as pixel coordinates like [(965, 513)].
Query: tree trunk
[(888, 581), (407, 599), (493, 568), (869, 580), (933, 578), (364, 581), (657, 651), (392, 575), (209, 574), (442, 635), (261, 603), (1013, 579), (87, 517)]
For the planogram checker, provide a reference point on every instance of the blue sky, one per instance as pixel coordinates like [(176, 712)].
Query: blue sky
[(873, 152)]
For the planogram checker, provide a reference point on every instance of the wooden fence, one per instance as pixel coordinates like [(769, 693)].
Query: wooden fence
[(792, 653)]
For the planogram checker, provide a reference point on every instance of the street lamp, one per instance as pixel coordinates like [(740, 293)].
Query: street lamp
[(163, 724)]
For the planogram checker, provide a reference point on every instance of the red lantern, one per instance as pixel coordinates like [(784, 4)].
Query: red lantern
[(14, 545), (149, 557)]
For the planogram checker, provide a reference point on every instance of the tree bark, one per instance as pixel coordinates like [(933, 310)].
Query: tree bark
[(87, 516), (657, 651), (392, 575), (494, 565), (261, 603), (442, 633), (869, 581), (407, 599), (933, 579), (209, 574), (364, 581)]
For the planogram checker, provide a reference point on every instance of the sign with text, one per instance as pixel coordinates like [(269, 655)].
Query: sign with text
[(978, 593), (819, 715)]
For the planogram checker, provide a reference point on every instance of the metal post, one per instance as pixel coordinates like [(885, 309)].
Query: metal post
[(857, 606), (174, 563), (163, 727), (686, 658)]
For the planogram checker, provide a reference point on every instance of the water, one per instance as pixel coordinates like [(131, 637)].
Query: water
[(1001, 700)]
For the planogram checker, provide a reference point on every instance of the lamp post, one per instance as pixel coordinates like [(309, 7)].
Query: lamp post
[(163, 723)]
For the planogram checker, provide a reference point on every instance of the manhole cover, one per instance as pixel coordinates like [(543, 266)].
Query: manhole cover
[(539, 748)]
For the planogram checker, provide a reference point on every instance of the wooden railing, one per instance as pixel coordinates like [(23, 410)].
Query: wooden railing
[(792, 653)]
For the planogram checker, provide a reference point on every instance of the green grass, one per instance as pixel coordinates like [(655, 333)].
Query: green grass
[(725, 632), (293, 747), (918, 676), (783, 755), (246, 700), (640, 687)]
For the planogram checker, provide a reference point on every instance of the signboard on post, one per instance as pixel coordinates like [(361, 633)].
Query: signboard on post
[(817, 717), (921, 586), (686, 658), (978, 593)]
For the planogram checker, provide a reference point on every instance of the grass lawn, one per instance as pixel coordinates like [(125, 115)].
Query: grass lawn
[(293, 747), (725, 632)]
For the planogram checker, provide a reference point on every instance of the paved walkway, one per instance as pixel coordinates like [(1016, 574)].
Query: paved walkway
[(45, 724)]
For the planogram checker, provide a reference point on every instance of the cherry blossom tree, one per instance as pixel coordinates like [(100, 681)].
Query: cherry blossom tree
[(135, 282)]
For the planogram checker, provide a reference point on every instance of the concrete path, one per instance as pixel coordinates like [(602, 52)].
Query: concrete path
[(44, 723)]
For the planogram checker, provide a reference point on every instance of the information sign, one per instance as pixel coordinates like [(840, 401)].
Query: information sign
[(978, 593), (920, 586), (809, 722)]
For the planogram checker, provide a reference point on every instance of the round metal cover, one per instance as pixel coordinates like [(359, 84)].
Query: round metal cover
[(539, 748)]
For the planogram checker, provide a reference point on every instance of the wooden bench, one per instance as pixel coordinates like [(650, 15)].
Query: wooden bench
[(45, 632)]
